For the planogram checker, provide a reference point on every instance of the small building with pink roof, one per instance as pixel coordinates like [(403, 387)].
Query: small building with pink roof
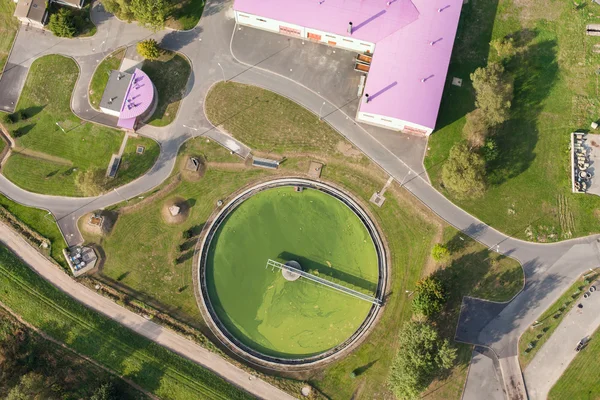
[(408, 44), (129, 97)]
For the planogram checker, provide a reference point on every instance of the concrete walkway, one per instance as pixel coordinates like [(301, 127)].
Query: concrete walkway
[(557, 353), (137, 323)]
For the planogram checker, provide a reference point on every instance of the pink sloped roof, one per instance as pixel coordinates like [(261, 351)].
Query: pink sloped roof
[(403, 54), (139, 95), (372, 20), (401, 61)]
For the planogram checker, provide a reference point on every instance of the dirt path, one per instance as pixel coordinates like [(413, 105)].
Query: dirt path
[(137, 323)]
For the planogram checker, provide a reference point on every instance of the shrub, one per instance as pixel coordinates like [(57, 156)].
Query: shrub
[(504, 47), (440, 252), (430, 296), (494, 93), (422, 355), (463, 173), (476, 129), (61, 23), (148, 49), (489, 151), (8, 118)]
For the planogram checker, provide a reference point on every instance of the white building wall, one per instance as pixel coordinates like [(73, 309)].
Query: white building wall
[(345, 42), (110, 112), (267, 24), (393, 123)]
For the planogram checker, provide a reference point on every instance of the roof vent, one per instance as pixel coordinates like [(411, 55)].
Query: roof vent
[(350, 28), (35, 6)]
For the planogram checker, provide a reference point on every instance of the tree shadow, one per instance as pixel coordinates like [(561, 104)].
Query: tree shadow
[(458, 242), (361, 370), (23, 130), (184, 257), (471, 50), (31, 111), (535, 72)]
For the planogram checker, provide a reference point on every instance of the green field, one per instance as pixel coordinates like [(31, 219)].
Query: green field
[(151, 366), (556, 92), (56, 372), (100, 77), (46, 159), (169, 73), (263, 310), (8, 30), (581, 380)]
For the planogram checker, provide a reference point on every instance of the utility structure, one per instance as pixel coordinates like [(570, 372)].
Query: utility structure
[(293, 268)]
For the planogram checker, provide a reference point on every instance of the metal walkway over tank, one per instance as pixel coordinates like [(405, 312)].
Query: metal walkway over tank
[(274, 264)]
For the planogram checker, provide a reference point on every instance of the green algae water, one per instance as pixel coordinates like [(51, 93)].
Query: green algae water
[(278, 317)]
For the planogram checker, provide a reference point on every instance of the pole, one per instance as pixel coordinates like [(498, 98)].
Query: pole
[(61, 128), (320, 110), (223, 71)]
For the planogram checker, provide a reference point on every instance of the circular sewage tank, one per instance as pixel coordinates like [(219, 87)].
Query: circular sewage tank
[(271, 313)]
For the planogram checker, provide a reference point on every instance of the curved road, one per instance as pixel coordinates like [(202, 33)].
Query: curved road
[(549, 268)]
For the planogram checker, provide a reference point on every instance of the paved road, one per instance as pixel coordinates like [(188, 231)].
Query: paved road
[(555, 355), (549, 269), (135, 322)]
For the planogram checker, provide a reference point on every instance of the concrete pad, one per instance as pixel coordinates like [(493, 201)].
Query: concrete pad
[(11, 84), (475, 314), (485, 381)]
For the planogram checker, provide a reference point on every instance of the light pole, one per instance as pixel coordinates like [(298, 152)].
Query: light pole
[(320, 110), (223, 71), (119, 194), (61, 128)]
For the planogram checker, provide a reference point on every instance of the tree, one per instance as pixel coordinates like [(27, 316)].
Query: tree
[(421, 356), (91, 182), (150, 12), (504, 47), (476, 129), (430, 296), (106, 391), (489, 151), (494, 93), (440, 252), (148, 49), (30, 386), (463, 173), (61, 23)]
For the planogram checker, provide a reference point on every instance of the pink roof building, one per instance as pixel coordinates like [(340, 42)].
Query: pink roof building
[(411, 42), (128, 97)]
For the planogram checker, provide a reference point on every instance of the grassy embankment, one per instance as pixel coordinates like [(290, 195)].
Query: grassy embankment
[(556, 92), (154, 368), (26, 356), (46, 159), (169, 73)]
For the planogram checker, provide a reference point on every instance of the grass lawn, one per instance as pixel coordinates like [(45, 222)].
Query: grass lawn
[(257, 305), (25, 352), (185, 14), (8, 30), (170, 74), (556, 92), (581, 380), (550, 320), (39, 221), (154, 368), (160, 267), (48, 160), (100, 78)]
